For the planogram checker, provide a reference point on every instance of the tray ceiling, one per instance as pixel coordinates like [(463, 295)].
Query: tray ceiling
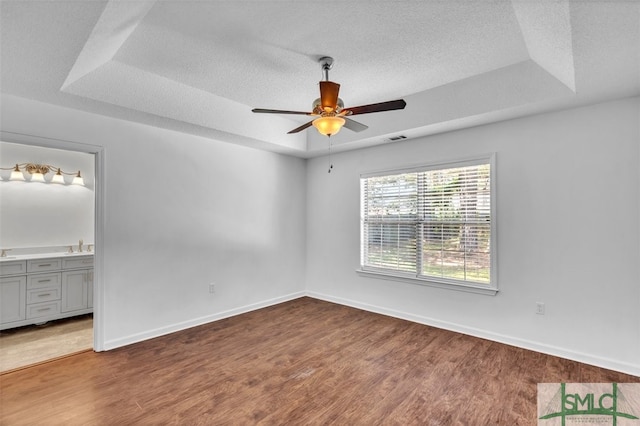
[(199, 67)]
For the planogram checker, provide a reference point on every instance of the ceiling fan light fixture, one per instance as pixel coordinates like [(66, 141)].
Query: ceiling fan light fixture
[(329, 125)]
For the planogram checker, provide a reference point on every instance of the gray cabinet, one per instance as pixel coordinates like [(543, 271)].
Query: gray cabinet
[(43, 296), (38, 290), (13, 299), (75, 290)]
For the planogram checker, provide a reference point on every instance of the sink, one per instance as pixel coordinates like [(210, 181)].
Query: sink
[(7, 257)]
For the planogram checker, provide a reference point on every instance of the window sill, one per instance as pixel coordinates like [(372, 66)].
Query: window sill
[(432, 282)]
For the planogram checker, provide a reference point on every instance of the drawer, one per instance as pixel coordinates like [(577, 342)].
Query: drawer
[(13, 267), (43, 280), (77, 262), (43, 295), (44, 265), (45, 309)]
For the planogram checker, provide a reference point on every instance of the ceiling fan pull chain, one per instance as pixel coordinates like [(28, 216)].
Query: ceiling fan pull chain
[(330, 163)]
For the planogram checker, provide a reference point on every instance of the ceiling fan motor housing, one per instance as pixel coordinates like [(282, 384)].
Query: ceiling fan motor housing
[(318, 110)]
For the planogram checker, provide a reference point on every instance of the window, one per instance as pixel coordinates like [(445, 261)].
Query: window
[(433, 224)]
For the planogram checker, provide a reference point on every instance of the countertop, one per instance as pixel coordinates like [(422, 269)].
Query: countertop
[(14, 257)]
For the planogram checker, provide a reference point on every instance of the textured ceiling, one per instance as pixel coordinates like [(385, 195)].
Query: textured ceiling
[(199, 67)]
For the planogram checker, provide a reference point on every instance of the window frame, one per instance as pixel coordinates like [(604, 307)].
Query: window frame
[(490, 288)]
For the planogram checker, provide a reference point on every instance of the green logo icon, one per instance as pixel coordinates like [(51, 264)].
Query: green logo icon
[(587, 401)]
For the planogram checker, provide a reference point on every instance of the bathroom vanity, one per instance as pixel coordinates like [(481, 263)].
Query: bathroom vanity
[(36, 288)]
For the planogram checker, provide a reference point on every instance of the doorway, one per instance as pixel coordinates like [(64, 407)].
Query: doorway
[(83, 327)]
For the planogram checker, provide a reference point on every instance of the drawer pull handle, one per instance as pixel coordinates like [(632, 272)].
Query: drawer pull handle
[(44, 309), (87, 261), (44, 295), (44, 264), (44, 281)]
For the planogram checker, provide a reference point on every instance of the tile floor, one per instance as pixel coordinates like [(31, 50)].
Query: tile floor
[(23, 346)]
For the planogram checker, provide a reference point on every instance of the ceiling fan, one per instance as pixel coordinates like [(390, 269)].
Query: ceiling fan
[(330, 110)]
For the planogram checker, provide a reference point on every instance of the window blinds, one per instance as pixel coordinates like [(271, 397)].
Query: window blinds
[(429, 223)]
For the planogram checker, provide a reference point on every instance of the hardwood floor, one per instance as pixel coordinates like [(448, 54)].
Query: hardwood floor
[(300, 362)]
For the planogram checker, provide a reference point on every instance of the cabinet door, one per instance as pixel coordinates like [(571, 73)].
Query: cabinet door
[(75, 294), (13, 299)]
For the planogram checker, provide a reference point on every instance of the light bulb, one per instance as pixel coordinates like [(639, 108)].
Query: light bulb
[(58, 178), (77, 180), (16, 174), (37, 177)]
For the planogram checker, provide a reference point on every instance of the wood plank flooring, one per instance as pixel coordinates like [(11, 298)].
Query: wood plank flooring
[(300, 362)]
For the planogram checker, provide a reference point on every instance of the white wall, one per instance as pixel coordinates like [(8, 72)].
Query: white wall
[(181, 212), (568, 234), (42, 215), (177, 218)]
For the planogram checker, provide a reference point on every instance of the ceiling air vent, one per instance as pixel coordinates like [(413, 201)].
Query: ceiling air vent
[(397, 138)]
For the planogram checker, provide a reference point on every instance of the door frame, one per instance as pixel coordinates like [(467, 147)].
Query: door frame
[(98, 151)]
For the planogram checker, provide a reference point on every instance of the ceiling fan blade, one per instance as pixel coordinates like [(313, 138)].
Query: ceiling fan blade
[(354, 125), (329, 95), (279, 111), (298, 129), (379, 107)]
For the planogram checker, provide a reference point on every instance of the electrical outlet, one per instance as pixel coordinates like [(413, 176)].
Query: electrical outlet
[(212, 288), (540, 308)]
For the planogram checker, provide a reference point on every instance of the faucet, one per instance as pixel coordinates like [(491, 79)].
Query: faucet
[(80, 246), (4, 252)]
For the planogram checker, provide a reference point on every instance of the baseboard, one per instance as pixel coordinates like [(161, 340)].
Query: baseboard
[(608, 363), (611, 364), (139, 337)]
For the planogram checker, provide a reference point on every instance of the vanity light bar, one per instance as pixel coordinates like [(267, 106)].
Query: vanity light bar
[(38, 172)]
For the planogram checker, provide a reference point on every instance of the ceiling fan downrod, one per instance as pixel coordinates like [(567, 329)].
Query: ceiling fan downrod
[(326, 62)]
